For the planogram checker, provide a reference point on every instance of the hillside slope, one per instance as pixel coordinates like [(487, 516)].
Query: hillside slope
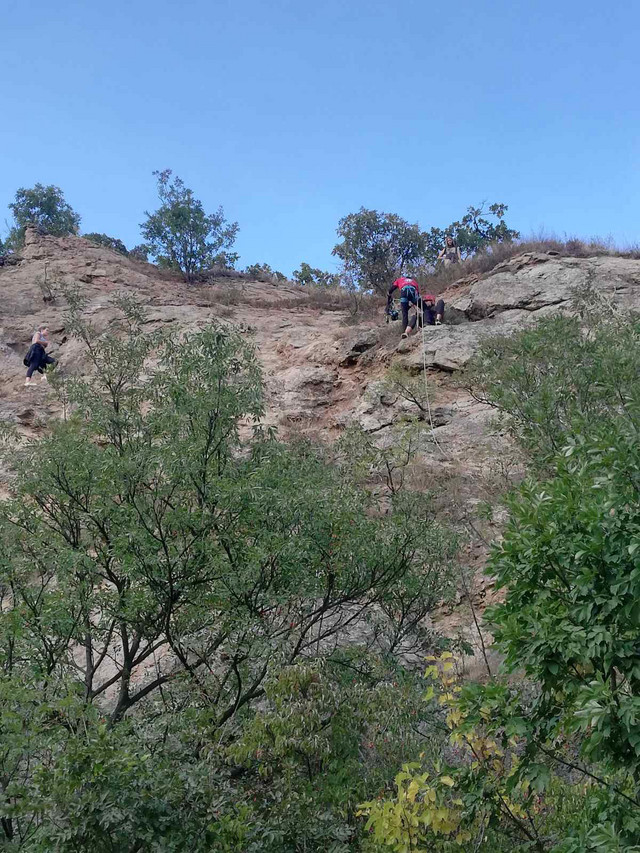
[(322, 364), (319, 363)]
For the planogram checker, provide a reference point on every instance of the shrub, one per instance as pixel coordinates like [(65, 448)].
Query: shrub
[(565, 711), (566, 375), (308, 275), (139, 253), (263, 272), (112, 243)]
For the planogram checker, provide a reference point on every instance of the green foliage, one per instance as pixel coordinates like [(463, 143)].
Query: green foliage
[(494, 789), (569, 558), (197, 623), (473, 233), (571, 563), (565, 376), (568, 624), (308, 275), (44, 208), (140, 253), (376, 247), (108, 242), (262, 271), (181, 236)]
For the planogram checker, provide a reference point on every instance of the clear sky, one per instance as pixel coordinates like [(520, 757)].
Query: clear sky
[(292, 113)]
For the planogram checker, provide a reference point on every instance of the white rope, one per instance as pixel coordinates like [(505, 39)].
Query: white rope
[(420, 321)]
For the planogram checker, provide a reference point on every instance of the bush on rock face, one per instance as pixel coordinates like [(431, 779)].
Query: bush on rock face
[(108, 242), (563, 716)]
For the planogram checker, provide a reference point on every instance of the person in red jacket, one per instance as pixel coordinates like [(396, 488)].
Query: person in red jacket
[(409, 295), (430, 309)]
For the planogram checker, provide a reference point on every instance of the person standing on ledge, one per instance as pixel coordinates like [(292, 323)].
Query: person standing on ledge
[(450, 252), (37, 358)]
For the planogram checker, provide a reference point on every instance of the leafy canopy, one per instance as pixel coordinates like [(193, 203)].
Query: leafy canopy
[(473, 233), (568, 624), (43, 207), (264, 271), (566, 376), (312, 276), (376, 247), (108, 242), (181, 236), (198, 625)]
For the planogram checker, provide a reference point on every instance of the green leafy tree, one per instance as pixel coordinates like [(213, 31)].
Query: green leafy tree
[(376, 248), (568, 623), (311, 276), (165, 582), (477, 230), (261, 271), (43, 207), (139, 253), (550, 381), (108, 242), (181, 236)]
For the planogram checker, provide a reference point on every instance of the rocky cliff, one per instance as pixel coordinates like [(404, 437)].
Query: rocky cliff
[(323, 362)]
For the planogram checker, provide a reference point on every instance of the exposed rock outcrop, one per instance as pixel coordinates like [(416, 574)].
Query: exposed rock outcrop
[(320, 372)]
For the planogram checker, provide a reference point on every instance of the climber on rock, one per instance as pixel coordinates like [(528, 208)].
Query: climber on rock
[(432, 310), (37, 358), (429, 311), (450, 252), (409, 295)]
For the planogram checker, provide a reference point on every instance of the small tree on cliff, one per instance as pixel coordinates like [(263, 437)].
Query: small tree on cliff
[(45, 208), (377, 247), (181, 236), (478, 228), (308, 275), (113, 243)]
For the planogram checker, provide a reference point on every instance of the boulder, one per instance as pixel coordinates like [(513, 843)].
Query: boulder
[(449, 348), (533, 281), (362, 342)]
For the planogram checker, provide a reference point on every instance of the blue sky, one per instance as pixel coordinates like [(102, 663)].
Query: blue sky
[(291, 113)]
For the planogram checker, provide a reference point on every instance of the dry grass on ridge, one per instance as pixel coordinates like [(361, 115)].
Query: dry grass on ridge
[(497, 253)]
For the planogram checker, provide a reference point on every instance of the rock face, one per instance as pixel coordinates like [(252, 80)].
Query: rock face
[(533, 281), (321, 373)]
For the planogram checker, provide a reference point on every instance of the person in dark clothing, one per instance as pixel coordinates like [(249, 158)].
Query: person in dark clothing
[(429, 311), (409, 295), (37, 358), (432, 310)]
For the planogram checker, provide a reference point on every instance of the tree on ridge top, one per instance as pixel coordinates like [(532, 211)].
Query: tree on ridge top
[(43, 207), (181, 236)]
